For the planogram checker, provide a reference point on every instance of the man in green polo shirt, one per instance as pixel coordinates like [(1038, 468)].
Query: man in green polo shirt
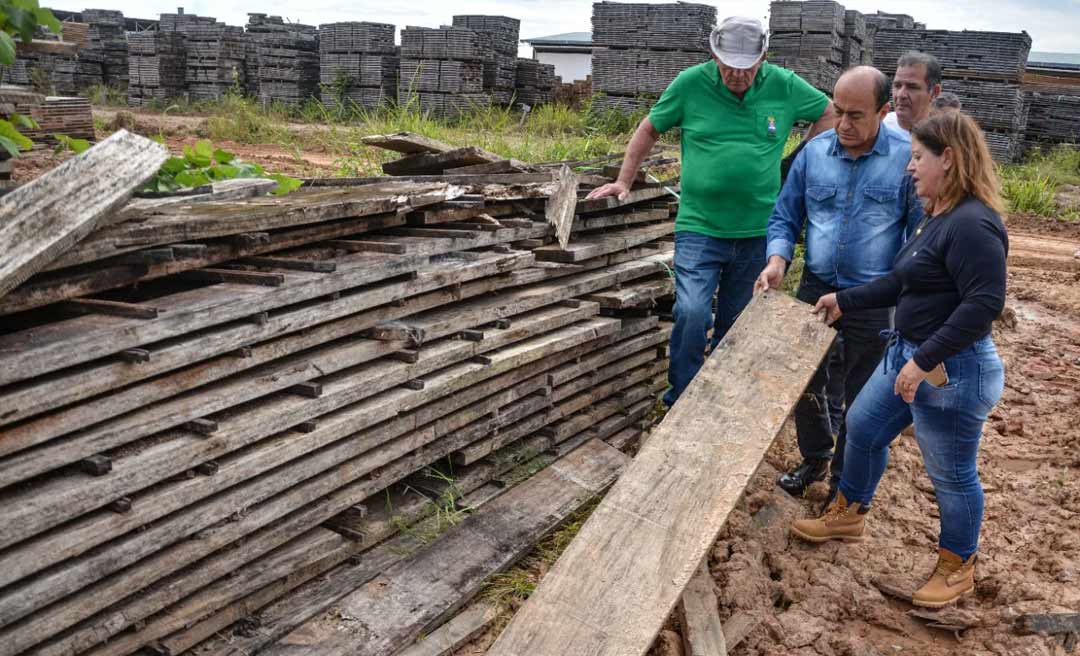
[(735, 113)]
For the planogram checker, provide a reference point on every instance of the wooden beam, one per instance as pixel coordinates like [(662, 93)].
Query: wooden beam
[(236, 277), (358, 246), (291, 263), (112, 308), (654, 541), (42, 219), (433, 163), (462, 628), (406, 142), (702, 632), (560, 208)]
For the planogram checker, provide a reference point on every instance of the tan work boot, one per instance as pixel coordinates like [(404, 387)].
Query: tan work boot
[(841, 521), (952, 578)]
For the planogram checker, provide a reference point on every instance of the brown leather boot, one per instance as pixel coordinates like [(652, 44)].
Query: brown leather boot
[(951, 579), (841, 521)]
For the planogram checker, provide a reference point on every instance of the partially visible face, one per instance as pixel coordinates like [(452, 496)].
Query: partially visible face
[(737, 80), (928, 170), (856, 117), (911, 97)]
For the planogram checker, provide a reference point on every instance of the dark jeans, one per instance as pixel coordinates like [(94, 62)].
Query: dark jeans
[(859, 347), (706, 267), (948, 425)]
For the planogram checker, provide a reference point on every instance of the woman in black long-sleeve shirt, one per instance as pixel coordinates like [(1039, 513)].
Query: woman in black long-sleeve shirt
[(941, 370)]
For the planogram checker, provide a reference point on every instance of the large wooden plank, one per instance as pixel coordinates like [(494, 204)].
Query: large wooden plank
[(584, 247), (133, 230), (703, 634), (41, 220), (620, 578), (399, 604), (462, 628), (430, 163), (408, 143), (559, 210)]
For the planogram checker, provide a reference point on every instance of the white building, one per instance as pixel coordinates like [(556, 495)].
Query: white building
[(570, 53)]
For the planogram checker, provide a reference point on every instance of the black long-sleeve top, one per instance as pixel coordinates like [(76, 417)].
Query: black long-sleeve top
[(947, 282)]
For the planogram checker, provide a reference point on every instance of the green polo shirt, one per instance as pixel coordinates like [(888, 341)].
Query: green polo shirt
[(731, 148)]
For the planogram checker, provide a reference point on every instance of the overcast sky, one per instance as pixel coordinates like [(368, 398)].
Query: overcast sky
[(1052, 24)]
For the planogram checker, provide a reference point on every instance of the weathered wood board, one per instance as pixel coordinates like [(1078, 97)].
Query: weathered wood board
[(620, 578), (41, 220)]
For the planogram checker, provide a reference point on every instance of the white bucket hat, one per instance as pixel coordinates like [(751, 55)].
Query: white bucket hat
[(739, 42)]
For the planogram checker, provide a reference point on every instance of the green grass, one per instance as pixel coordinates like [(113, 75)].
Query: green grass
[(1031, 187), (101, 95)]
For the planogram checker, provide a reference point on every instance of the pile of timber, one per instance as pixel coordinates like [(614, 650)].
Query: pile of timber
[(985, 69), (217, 410), (46, 71), (640, 48), (157, 63), (1052, 106), (810, 38), (885, 21), (442, 70), (107, 39), (534, 83), (500, 66), (216, 58), (358, 64), (286, 59)]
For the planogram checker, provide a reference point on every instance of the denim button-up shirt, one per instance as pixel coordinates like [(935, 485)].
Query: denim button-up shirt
[(857, 211)]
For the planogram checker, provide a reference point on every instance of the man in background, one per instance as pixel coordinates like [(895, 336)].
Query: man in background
[(915, 86)]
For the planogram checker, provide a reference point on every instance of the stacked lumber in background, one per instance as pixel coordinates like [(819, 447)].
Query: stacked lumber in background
[(442, 70), (985, 69), (106, 37), (358, 64), (809, 38), (216, 58), (1052, 106), (207, 401), (67, 115), (53, 73), (858, 41), (640, 48), (157, 63), (288, 60), (501, 64), (885, 21), (534, 82)]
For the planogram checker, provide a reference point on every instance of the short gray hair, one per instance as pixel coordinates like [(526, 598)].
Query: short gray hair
[(947, 100), (933, 68)]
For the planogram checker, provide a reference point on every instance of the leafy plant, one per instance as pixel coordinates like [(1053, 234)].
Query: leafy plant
[(204, 164), (21, 18), (64, 142), (1030, 195), (11, 139)]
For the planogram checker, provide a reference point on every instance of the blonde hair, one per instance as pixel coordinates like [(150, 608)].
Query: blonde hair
[(973, 172)]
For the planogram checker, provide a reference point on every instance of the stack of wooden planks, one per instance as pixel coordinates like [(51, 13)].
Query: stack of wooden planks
[(1052, 108), (501, 63), (534, 83), (443, 70), (156, 66), (640, 48), (207, 402), (358, 64), (106, 38), (216, 58), (810, 39), (286, 59)]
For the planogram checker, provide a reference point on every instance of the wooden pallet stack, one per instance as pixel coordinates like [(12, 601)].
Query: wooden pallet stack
[(358, 64), (157, 63), (500, 66), (885, 21), (287, 60), (534, 82), (107, 38), (216, 57), (984, 68), (1053, 113), (46, 71), (442, 70), (207, 402), (809, 38), (640, 48), (858, 41)]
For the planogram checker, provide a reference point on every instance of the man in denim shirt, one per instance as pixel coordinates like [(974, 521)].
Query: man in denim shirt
[(849, 186)]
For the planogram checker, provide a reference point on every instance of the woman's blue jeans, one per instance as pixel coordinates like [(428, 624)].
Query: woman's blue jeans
[(948, 425)]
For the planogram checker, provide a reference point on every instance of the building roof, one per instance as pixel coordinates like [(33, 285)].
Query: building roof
[(567, 39)]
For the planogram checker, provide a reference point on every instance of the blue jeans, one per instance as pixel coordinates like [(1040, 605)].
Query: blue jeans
[(706, 267), (948, 425)]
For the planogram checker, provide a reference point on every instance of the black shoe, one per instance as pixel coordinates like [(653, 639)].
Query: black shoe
[(810, 471)]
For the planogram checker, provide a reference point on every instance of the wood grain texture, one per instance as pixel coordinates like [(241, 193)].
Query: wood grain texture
[(703, 635), (620, 578), (559, 210), (41, 220)]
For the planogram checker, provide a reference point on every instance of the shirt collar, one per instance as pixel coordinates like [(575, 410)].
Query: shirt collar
[(881, 144)]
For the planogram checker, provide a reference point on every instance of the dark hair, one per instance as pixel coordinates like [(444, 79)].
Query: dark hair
[(881, 88), (933, 68), (974, 172), (947, 100)]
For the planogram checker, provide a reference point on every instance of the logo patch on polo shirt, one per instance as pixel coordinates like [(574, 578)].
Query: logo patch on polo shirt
[(772, 127)]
